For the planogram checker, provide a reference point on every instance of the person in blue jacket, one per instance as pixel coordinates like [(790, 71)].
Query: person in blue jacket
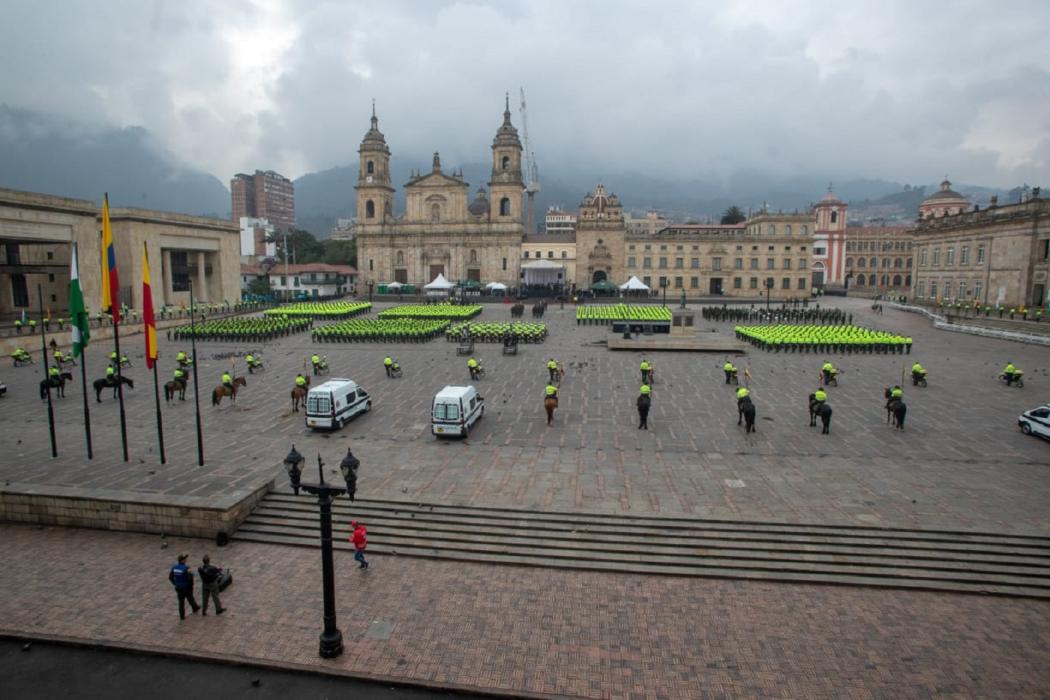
[(182, 578)]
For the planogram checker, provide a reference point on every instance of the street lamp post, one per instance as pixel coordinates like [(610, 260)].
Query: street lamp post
[(769, 290), (663, 286), (370, 285), (331, 640)]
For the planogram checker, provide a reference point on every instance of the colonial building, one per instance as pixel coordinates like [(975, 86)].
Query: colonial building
[(37, 230), (312, 280), (443, 230), (600, 237), (944, 202), (650, 223), (549, 259), (558, 221), (998, 255), (829, 241), (768, 252), (879, 259)]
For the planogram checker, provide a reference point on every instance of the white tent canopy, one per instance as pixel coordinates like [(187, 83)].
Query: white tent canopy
[(634, 284), (496, 286), (439, 283), (394, 285), (542, 272)]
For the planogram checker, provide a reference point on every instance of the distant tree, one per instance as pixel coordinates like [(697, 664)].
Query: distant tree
[(733, 215), (260, 286), (303, 247), (339, 252)]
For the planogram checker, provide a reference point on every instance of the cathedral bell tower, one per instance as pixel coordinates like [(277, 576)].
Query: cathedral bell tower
[(375, 196), (506, 185)]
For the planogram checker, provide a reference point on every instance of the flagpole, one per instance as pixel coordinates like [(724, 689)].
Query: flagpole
[(78, 316), (149, 332), (87, 415), (160, 425), (196, 382), (47, 376), (120, 385), (110, 293)]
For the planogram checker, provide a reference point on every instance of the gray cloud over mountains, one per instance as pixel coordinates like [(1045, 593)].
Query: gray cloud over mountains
[(899, 90)]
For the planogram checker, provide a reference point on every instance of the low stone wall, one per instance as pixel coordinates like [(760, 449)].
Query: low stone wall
[(123, 511), (944, 324)]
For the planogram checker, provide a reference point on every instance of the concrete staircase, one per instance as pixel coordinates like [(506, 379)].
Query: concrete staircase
[(962, 562)]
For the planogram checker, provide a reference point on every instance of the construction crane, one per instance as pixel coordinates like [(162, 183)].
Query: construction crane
[(532, 173)]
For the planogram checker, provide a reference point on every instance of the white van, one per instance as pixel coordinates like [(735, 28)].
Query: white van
[(335, 402), (456, 409)]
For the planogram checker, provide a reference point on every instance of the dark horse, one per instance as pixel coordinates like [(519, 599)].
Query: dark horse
[(173, 387), (824, 411), (746, 413), (814, 407), (898, 409), (517, 311), (58, 383), (110, 383), (223, 390)]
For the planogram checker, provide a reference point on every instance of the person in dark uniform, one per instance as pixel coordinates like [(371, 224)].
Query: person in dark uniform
[(182, 578), (644, 403)]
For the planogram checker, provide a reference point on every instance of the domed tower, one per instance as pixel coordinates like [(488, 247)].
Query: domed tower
[(829, 240), (375, 196), (944, 202), (506, 185)]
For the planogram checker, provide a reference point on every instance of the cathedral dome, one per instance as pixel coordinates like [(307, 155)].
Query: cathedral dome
[(480, 205), (943, 202)]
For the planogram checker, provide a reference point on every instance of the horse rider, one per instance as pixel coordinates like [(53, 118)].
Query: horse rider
[(647, 371), (742, 393), (59, 357), (644, 403), (730, 369), (113, 358), (388, 365), (1010, 372), (828, 371), (253, 364), (53, 373), (315, 360), (917, 373), (475, 368), (552, 369), (111, 373), (896, 393), (182, 359), (820, 396), (227, 380), (180, 375), (21, 355), (551, 392), (300, 381)]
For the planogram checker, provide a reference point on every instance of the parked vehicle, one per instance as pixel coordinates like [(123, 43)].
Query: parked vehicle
[(334, 403), (3, 388), (456, 409), (1036, 421)]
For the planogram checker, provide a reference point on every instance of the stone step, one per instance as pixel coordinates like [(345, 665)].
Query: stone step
[(738, 541), (658, 553), (943, 560), (776, 574)]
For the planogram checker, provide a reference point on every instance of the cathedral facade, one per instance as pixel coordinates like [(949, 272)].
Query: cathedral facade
[(443, 230)]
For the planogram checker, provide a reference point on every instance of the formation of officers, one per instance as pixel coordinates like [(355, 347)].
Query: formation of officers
[(781, 315)]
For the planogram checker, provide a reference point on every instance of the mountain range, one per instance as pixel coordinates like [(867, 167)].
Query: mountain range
[(41, 153)]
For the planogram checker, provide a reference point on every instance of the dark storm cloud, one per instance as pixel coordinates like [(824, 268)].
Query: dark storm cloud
[(898, 90)]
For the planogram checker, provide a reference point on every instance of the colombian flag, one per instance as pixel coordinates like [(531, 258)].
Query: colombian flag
[(147, 313), (110, 283)]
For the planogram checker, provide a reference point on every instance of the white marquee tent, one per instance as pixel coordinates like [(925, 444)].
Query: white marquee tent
[(634, 284)]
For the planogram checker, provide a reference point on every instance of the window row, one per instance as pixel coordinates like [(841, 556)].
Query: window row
[(950, 289), (876, 246), (738, 283), (716, 263), (681, 248), (885, 280), (949, 255), (861, 263), (550, 254)]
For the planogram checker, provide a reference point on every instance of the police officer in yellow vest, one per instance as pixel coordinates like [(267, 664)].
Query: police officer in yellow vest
[(896, 393), (53, 372), (388, 364), (474, 367), (730, 370), (917, 373), (181, 358), (644, 403), (180, 375), (646, 370), (110, 372), (300, 381), (253, 364), (820, 396), (828, 371), (551, 392), (742, 393), (227, 380), (552, 370)]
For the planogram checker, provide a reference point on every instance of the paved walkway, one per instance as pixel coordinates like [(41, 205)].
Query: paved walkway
[(961, 463), (541, 631)]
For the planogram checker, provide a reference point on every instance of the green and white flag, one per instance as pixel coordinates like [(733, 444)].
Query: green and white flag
[(78, 317)]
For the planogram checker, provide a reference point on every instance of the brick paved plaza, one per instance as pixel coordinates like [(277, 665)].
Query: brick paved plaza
[(961, 464)]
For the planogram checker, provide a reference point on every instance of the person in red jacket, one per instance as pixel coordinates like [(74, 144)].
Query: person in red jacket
[(360, 540)]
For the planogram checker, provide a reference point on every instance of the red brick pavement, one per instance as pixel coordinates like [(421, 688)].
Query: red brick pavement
[(533, 630)]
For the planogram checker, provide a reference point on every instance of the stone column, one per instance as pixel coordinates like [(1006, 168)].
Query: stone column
[(202, 281), (165, 263)]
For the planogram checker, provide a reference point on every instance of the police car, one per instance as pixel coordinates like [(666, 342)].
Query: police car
[(1036, 421)]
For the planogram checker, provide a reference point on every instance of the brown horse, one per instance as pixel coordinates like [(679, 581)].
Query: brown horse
[(299, 395), (549, 404), (223, 390), (175, 387)]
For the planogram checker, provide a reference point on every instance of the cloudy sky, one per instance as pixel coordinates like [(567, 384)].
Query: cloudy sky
[(904, 90)]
